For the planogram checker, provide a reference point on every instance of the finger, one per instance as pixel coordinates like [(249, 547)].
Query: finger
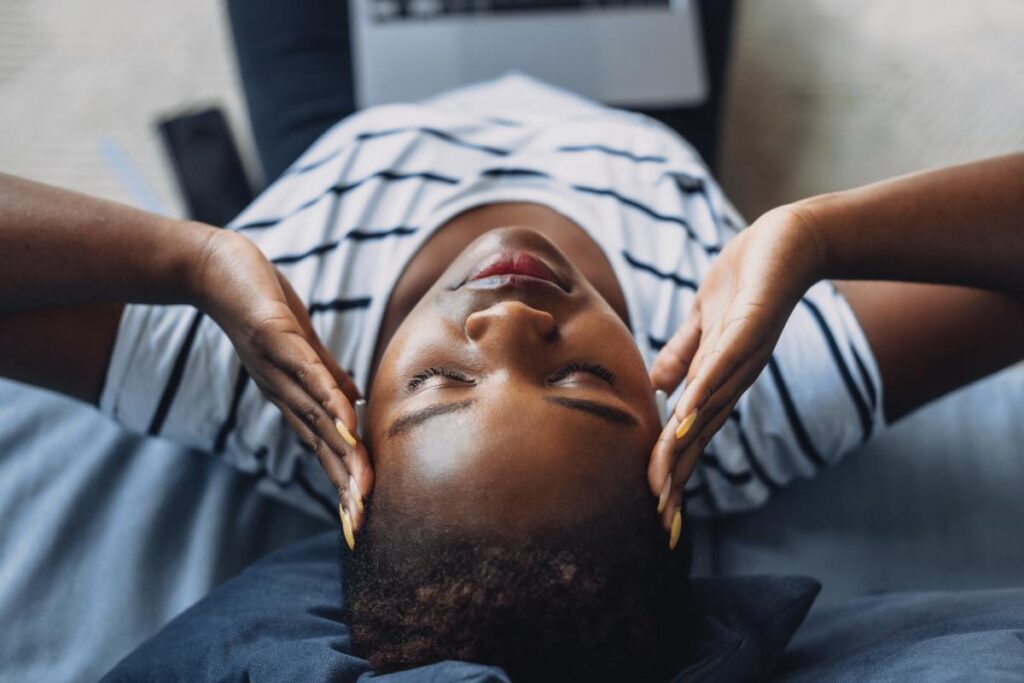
[(331, 403), (687, 462), (673, 361), (297, 363), (303, 390), (314, 417), (316, 371), (682, 468), (297, 358), (327, 392), (340, 473), (361, 470), (669, 447), (725, 397), (729, 348), (334, 465), (299, 427), (662, 460), (307, 360), (341, 378), (672, 514), (708, 340)]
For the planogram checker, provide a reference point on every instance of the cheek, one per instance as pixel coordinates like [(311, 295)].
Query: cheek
[(444, 453), (432, 462), (605, 336), (608, 338)]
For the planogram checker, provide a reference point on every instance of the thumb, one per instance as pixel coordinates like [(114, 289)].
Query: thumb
[(674, 359)]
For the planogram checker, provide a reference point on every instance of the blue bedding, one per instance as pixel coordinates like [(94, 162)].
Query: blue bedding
[(106, 535), (281, 620), (920, 636)]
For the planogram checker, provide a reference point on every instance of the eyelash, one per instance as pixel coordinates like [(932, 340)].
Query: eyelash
[(421, 377), (598, 371)]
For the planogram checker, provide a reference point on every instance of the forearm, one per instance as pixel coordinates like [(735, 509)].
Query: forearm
[(962, 225), (61, 349), (929, 340), (63, 248), (67, 264)]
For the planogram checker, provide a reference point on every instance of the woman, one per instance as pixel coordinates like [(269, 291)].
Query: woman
[(497, 269), (374, 181)]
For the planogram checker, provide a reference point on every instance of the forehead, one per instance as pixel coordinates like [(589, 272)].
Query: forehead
[(514, 469)]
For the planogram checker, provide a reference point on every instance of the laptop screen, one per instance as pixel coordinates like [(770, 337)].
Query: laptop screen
[(397, 10)]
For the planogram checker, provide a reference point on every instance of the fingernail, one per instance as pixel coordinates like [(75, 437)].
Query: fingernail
[(685, 425), (661, 400), (355, 518), (346, 527), (677, 527), (345, 434), (665, 490), (353, 491), (360, 406)]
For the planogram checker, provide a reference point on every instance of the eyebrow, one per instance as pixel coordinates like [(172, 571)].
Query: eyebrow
[(603, 411), (418, 417)]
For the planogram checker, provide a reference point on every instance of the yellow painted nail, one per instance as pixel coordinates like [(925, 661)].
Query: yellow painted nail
[(685, 425), (353, 491), (346, 527), (345, 434), (677, 527), (665, 491)]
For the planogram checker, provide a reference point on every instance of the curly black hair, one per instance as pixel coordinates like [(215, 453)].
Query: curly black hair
[(600, 603)]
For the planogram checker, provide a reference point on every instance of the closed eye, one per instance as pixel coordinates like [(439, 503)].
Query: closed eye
[(594, 369), (419, 378)]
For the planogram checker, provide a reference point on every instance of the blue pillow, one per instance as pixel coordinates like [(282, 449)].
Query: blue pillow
[(280, 620)]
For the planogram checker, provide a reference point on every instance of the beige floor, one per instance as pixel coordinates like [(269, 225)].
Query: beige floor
[(825, 93), (77, 75)]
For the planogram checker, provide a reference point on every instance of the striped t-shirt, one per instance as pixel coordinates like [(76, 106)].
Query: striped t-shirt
[(344, 220)]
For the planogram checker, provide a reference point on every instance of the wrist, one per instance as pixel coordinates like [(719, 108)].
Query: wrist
[(204, 246), (808, 222)]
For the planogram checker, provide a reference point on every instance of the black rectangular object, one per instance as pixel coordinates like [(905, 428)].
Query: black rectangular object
[(208, 167)]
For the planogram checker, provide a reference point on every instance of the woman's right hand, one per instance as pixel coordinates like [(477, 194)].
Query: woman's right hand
[(269, 326)]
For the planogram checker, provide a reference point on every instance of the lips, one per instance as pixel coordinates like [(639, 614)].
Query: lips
[(514, 268)]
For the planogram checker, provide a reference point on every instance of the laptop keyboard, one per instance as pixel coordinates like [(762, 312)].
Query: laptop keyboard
[(391, 10)]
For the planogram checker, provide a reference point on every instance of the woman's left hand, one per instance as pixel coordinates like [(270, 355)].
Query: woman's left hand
[(738, 314)]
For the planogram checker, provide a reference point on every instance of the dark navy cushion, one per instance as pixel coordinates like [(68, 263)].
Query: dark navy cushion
[(280, 620)]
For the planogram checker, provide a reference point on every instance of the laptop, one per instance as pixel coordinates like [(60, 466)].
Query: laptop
[(637, 53)]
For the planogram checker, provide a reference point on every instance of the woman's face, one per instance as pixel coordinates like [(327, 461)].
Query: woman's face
[(512, 397)]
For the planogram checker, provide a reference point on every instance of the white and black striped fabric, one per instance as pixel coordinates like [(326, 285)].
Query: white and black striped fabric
[(345, 219)]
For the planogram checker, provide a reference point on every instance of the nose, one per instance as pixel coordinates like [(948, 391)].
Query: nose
[(512, 323)]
